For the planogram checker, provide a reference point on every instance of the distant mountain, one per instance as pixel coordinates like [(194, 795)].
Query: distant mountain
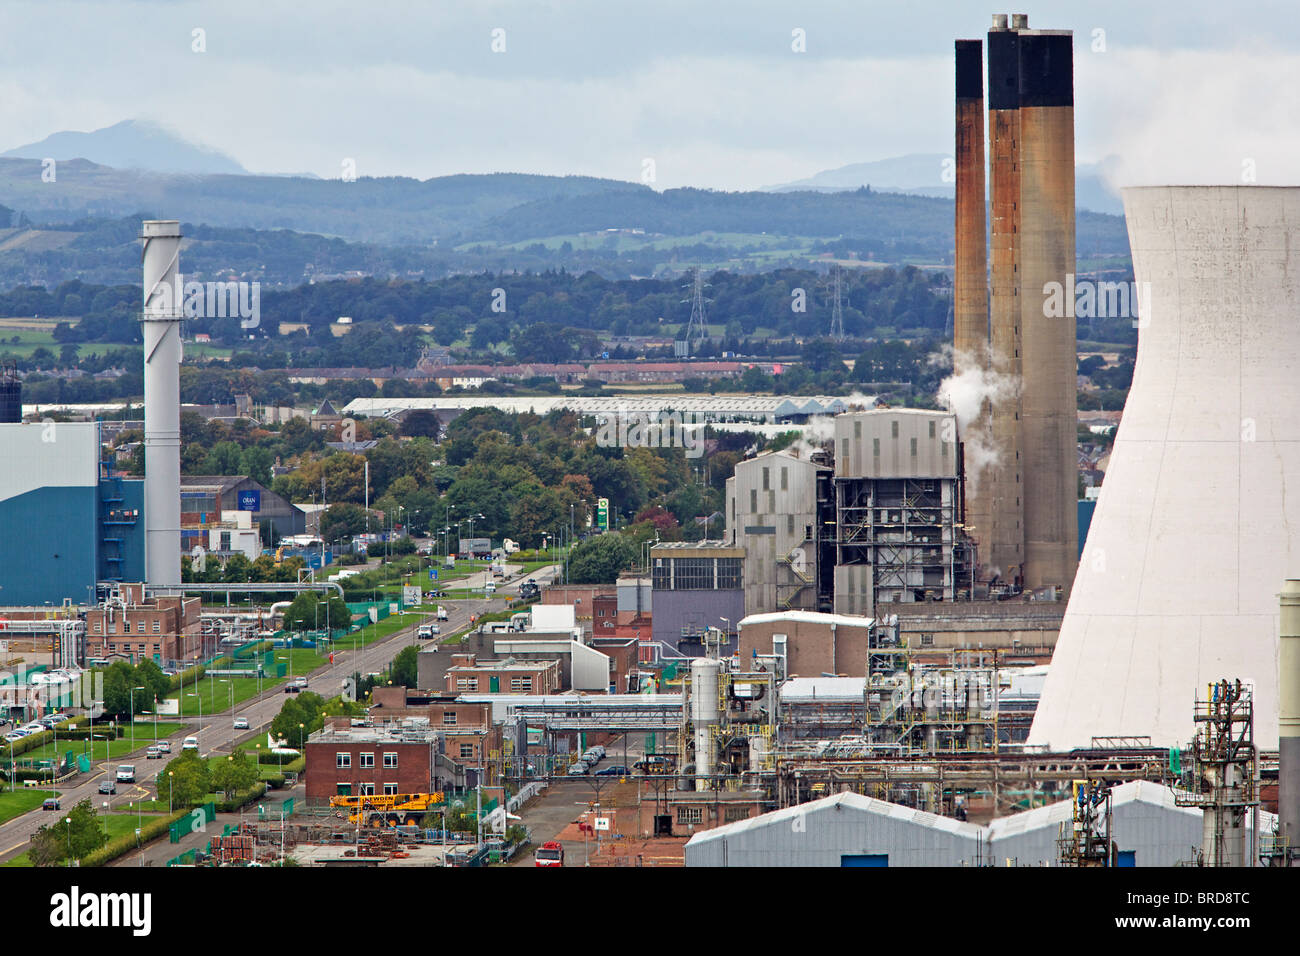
[(133, 144), (921, 174)]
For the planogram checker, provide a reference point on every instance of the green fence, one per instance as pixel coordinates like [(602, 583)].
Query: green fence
[(195, 822), (190, 857)]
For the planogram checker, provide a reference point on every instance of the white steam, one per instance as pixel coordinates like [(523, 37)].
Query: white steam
[(968, 394)]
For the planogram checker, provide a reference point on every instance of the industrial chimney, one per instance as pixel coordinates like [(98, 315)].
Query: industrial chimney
[(1031, 130), (970, 306), (160, 326)]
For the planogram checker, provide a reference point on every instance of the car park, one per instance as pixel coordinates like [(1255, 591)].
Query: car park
[(578, 768), (241, 723), (126, 773), (615, 770), (108, 785)]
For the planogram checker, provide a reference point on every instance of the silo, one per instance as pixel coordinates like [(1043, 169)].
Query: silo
[(160, 327), (1196, 523)]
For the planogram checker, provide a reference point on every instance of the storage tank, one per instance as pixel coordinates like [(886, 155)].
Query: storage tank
[(704, 717)]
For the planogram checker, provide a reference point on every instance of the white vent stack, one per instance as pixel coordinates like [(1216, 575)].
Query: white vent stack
[(160, 326), (1196, 524)]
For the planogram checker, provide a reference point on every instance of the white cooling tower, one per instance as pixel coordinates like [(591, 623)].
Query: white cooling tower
[(1196, 528), (160, 326)]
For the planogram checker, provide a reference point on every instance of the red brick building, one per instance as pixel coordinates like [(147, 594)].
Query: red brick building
[(468, 732), (163, 629), (468, 675), (351, 761)]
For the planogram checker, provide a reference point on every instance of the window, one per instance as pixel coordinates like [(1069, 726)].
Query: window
[(875, 447), (466, 750), (913, 447), (753, 500), (766, 484), (157, 628), (732, 814), (367, 790), (690, 814), (857, 429), (343, 789), (789, 524), (342, 761), (448, 718), (927, 640), (931, 429), (367, 760), (785, 478), (521, 684), (893, 429), (390, 789), (729, 573), (467, 683), (390, 760), (99, 628)]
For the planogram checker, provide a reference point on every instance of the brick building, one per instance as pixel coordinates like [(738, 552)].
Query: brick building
[(812, 643), (467, 729), (511, 676), (166, 630), (581, 597)]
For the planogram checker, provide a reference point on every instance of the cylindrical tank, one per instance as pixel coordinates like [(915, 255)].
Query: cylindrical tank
[(1288, 774), (160, 328), (758, 748), (704, 690)]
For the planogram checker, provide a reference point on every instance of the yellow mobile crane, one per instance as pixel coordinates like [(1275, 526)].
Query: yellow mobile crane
[(387, 809)]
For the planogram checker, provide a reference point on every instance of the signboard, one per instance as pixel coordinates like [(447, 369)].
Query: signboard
[(433, 574), (602, 514), (250, 500), (602, 823), (394, 607), (411, 594)]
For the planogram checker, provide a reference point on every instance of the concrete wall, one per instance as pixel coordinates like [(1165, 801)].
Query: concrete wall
[(1194, 530)]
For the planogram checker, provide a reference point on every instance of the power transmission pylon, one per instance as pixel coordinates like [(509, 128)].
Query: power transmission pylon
[(837, 307), (697, 328)]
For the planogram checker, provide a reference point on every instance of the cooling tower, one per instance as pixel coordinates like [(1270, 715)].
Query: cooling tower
[(970, 299), (160, 326), (1196, 527)]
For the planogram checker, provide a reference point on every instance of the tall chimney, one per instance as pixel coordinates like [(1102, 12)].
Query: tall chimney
[(1288, 745), (970, 306), (160, 327), (1031, 123)]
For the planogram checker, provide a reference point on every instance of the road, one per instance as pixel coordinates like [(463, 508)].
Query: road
[(216, 733)]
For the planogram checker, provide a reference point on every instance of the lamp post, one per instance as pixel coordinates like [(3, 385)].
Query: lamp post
[(169, 792), (199, 731), (68, 821)]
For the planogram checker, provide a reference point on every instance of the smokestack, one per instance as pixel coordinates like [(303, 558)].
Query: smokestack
[(160, 327), (1288, 745), (1031, 128), (970, 307)]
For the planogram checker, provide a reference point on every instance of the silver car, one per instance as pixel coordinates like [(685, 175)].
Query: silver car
[(578, 768)]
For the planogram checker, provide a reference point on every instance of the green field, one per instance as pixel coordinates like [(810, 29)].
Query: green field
[(21, 801), (106, 749), (115, 824), (215, 693)]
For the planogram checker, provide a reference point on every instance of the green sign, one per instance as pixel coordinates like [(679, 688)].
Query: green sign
[(602, 514)]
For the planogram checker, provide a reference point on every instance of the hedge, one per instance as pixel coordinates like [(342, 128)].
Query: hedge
[(275, 759), (191, 676), (242, 799), (124, 844)]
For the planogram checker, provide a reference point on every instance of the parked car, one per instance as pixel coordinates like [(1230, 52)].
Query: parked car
[(616, 770), (108, 785), (241, 723), (126, 773), (153, 753), (578, 768), (51, 803), (191, 743)]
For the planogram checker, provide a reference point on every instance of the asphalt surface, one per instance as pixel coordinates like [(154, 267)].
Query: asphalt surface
[(216, 733)]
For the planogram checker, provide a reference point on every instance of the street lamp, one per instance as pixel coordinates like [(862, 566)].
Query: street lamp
[(169, 792), (200, 728)]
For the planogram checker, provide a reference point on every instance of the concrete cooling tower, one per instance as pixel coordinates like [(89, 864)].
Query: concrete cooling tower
[(1198, 525)]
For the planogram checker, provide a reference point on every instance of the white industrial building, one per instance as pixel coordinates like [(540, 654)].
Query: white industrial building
[(1195, 529), (1147, 828)]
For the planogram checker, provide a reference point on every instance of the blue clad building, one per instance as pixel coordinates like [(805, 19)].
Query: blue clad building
[(66, 523)]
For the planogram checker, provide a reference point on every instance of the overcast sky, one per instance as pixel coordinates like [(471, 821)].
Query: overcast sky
[(711, 91)]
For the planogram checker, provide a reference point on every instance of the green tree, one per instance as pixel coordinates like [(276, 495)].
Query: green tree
[(234, 773), (186, 780), (405, 667), (599, 560), (308, 612), (156, 684), (342, 521)]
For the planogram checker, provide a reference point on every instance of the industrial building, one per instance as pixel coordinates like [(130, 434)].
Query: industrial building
[(1148, 826), (69, 522), (206, 500), (808, 644), (774, 505), (1194, 531), (697, 585)]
